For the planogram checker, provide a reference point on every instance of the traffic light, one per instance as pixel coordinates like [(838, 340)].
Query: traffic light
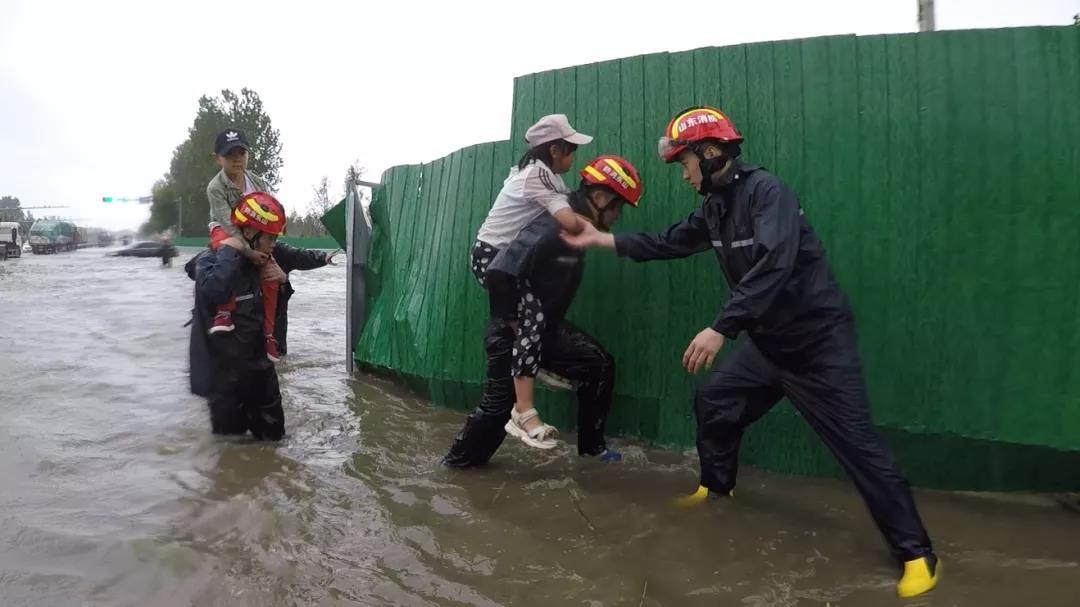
[(106, 199)]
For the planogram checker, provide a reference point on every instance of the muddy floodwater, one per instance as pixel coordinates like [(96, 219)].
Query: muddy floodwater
[(113, 492)]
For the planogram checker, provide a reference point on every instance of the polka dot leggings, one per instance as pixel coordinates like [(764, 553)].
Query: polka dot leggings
[(530, 315), (482, 254)]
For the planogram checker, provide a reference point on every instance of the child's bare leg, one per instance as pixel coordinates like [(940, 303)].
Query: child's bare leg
[(527, 346), (523, 400)]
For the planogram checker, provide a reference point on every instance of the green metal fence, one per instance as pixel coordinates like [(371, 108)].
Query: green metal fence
[(941, 170)]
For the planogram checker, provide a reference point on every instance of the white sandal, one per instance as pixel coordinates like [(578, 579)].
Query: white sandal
[(540, 437)]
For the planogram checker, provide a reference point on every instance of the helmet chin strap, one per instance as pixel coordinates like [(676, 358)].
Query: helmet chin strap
[(715, 172), (601, 213)]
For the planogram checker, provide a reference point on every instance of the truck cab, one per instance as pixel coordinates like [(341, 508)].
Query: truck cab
[(11, 239)]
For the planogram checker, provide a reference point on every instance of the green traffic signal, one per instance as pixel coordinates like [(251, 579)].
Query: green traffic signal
[(106, 199)]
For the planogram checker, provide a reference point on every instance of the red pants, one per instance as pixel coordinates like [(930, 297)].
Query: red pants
[(270, 288)]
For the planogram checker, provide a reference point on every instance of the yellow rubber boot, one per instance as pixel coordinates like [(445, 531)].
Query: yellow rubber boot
[(920, 576), (698, 497)]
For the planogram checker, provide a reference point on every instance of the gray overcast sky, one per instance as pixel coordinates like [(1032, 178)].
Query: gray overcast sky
[(96, 95)]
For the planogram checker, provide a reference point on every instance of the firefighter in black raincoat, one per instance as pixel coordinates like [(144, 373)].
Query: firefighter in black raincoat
[(553, 272), (231, 369), (289, 259), (802, 333)]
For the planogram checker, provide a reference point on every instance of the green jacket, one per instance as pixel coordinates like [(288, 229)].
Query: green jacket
[(224, 196)]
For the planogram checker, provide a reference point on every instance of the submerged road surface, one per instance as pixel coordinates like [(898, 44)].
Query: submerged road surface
[(113, 491)]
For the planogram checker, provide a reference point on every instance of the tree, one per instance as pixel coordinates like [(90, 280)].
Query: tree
[(307, 224), (322, 203), (1076, 19), (182, 191), (27, 223), (11, 209), (354, 174)]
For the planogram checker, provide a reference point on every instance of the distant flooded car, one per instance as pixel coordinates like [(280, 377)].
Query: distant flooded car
[(147, 249)]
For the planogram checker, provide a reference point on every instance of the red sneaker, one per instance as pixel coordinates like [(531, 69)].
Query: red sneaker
[(222, 323), (271, 349)]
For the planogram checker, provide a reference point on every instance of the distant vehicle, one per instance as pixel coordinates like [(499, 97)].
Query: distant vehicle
[(10, 240), (86, 237), (48, 236), (147, 249), (93, 237)]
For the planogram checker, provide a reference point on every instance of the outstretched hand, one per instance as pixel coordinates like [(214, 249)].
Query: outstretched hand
[(588, 237), (330, 258), (702, 350)]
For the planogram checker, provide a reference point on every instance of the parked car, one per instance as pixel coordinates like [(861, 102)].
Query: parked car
[(148, 249)]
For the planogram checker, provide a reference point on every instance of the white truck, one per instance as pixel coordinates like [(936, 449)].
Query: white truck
[(11, 241)]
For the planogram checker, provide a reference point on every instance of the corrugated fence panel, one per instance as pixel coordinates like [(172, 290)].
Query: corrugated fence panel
[(941, 171), (898, 337), (1034, 96), (879, 343), (1061, 57), (474, 208), (440, 285), (656, 209)]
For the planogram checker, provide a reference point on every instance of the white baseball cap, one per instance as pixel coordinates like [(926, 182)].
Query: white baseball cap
[(552, 128)]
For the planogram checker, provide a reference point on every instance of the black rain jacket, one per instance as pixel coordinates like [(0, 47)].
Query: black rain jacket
[(217, 277), (783, 294), (537, 255)]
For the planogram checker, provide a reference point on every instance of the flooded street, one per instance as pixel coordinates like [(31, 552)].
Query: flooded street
[(115, 493)]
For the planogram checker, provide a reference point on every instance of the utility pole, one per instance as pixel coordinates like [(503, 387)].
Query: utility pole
[(180, 220), (926, 15)]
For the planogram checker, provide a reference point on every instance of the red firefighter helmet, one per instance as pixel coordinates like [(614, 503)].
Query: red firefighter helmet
[(617, 174), (261, 211), (696, 124)]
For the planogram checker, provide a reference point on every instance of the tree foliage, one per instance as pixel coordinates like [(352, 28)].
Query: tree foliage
[(308, 223), (182, 191), (11, 209)]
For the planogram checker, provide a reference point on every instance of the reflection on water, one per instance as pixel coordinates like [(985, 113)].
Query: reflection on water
[(115, 494)]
